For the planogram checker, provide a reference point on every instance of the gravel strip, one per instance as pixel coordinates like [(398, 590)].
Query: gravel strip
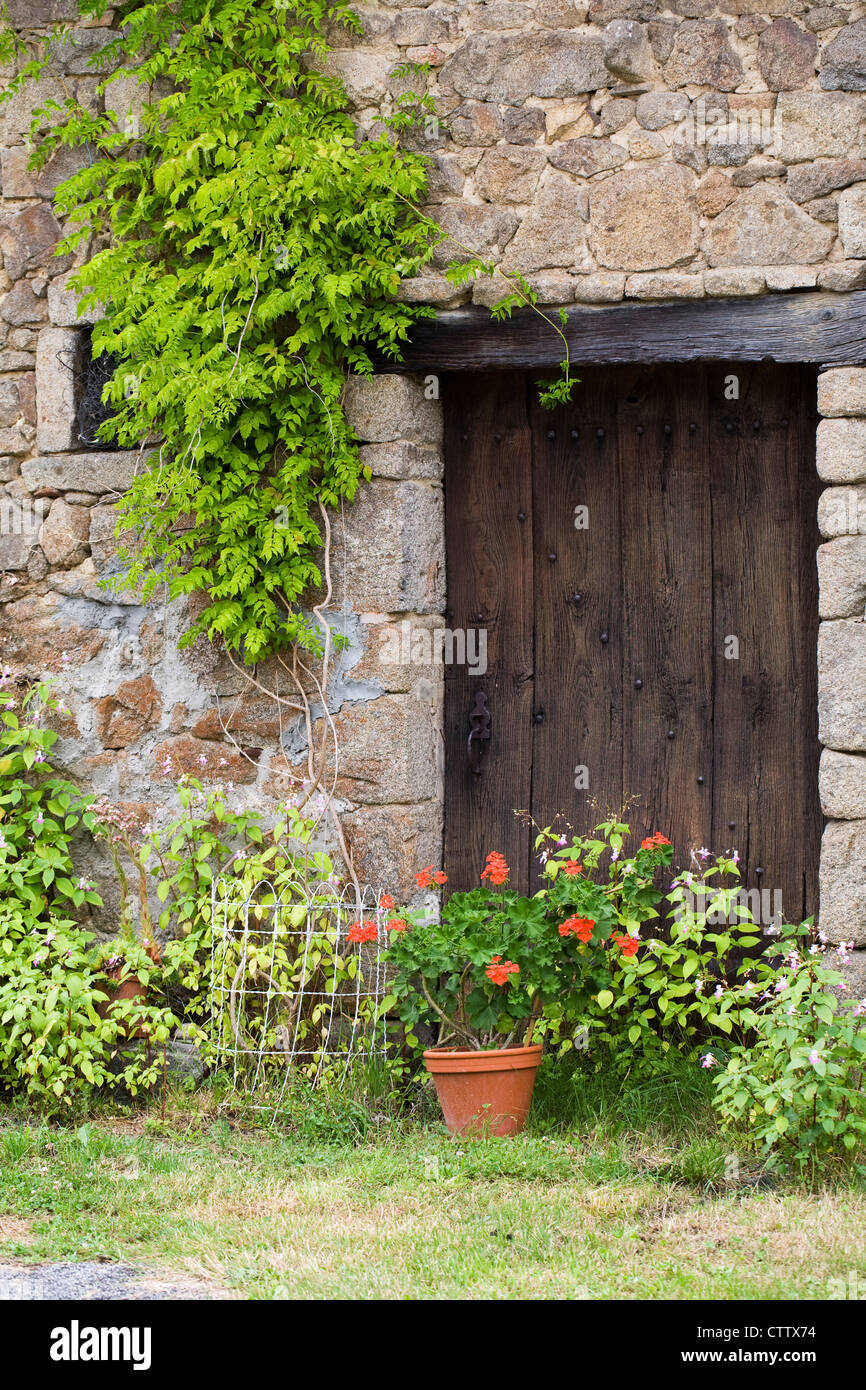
[(92, 1279)]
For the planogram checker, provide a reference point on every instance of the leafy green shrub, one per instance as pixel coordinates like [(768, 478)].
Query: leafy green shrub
[(56, 1038), (799, 1085), (39, 811)]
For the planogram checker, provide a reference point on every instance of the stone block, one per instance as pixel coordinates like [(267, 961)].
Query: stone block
[(842, 451), (808, 181), (133, 709), (38, 14), (388, 751), (394, 558), (85, 472), (44, 636), (816, 125), (842, 391), (627, 51), (386, 408), (842, 686), (524, 125), (65, 535), (843, 61), (509, 173), (603, 288), (852, 220), (655, 110), (28, 239), (493, 67), (552, 234), (763, 227), (616, 114), (843, 882), (664, 285), (476, 123), (715, 193), (364, 74), (19, 181), (19, 533), (842, 784), (389, 844), (63, 304), (432, 289), (782, 278), (398, 656), (58, 354), (208, 761), (725, 283), (702, 53), (248, 718), (842, 511), (786, 56), (841, 277), (644, 219), (482, 229), (21, 306), (603, 11), (418, 27), (842, 577), (646, 144), (79, 51), (587, 156), (398, 459)]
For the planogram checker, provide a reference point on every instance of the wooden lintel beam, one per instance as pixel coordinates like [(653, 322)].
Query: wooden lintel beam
[(798, 327)]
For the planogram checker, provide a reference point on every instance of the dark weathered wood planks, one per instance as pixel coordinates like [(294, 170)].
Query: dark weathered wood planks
[(607, 644), (802, 327), (489, 484)]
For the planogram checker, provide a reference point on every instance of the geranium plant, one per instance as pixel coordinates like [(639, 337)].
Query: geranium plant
[(500, 969), (483, 972)]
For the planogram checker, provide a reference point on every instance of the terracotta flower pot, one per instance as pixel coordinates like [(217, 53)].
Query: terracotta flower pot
[(484, 1092), (131, 988)]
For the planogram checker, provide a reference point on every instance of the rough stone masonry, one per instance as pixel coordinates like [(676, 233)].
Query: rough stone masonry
[(620, 149)]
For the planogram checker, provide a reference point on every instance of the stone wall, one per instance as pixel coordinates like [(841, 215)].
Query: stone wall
[(842, 659), (624, 149), (632, 149)]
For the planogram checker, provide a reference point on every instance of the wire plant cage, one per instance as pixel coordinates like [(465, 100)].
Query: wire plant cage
[(292, 999)]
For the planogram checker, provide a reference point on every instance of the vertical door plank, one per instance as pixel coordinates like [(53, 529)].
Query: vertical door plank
[(488, 484), (764, 537), (667, 607), (578, 597)]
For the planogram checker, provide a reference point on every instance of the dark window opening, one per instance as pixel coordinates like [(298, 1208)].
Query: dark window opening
[(91, 375)]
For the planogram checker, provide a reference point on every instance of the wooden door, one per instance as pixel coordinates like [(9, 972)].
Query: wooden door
[(643, 563)]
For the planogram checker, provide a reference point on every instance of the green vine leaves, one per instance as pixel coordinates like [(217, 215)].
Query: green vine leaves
[(246, 248)]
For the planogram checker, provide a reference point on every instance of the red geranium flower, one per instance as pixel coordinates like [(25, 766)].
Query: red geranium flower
[(386, 902), (654, 841), (362, 931), (427, 876), (397, 924), (571, 867), (498, 970), (628, 944), (581, 926), (496, 869)]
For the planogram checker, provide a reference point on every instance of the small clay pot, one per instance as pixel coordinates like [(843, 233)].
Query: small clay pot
[(131, 988), (484, 1092)]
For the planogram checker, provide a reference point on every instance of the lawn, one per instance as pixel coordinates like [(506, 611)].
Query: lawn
[(632, 1194)]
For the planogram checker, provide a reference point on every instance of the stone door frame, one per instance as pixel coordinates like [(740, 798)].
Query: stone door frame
[(396, 413)]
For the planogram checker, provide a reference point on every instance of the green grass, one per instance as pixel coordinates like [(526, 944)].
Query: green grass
[(618, 1190)]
